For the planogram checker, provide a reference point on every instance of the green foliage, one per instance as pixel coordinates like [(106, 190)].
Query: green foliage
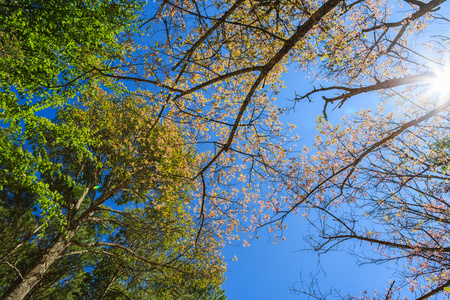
[(441, 150), (48, 51), (52, 44), (133, 236)]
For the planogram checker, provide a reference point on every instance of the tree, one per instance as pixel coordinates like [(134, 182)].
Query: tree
[(49, 47), (380, 182), (112, 201), (216, 68)]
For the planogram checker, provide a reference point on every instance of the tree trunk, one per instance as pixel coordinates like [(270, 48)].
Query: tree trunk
[(25, 283), (22, 286)]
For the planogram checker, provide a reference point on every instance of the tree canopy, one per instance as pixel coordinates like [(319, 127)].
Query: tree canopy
[(48, 48), (168, 141), (217, 67), (117, 216)]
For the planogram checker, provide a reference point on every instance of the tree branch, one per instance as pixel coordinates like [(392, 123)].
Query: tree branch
[(301, 31)]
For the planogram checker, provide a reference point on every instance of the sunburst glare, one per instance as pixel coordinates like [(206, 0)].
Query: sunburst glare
[(440, 83)]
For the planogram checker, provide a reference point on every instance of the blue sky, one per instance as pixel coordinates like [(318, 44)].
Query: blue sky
[(266, 270)]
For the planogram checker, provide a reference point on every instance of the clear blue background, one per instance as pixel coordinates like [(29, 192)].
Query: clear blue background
[(266, 271)]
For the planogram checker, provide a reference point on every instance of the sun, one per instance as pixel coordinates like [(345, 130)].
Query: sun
[(440, 83)]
